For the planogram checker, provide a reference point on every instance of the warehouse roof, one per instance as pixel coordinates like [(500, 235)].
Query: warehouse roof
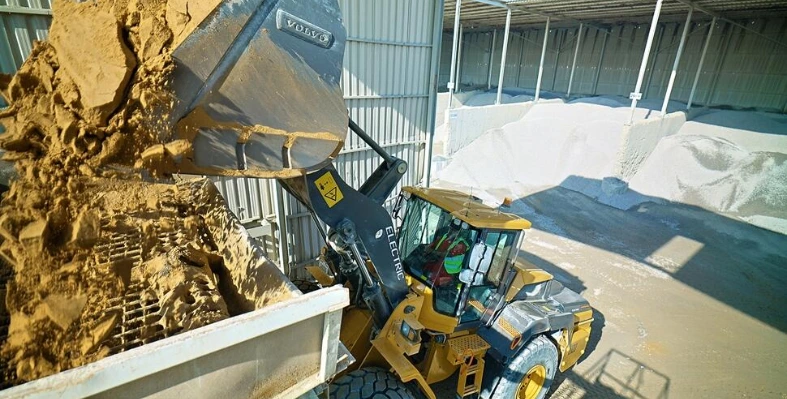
[(491, 13)]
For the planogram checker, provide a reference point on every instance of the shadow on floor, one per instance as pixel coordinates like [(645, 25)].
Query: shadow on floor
[(724, 258), (615, 375)]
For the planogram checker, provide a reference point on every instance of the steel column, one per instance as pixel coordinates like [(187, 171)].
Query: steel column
[(677, 62), (541, 65), (503, 58), (434, 71), (452, 77), (521, 58), (283, 245), (574, 63), (636, 95), (491, 59), (600, 60), (702, 60), (459, 57)]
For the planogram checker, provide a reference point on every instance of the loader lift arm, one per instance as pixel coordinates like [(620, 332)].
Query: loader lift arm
[(361, 224)]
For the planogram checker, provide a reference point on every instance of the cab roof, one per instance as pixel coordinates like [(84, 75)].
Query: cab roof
[(468, 209)]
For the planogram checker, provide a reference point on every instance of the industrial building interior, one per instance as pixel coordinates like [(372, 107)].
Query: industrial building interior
[(644, 141), (628, 134)]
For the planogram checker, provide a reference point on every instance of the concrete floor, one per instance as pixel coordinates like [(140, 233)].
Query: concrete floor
[(688, 304)]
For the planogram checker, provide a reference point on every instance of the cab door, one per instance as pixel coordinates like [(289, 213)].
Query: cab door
[(481, 296)]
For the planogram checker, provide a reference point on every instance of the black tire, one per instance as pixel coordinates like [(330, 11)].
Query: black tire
[(370, 383), (538, 352), (306, 286)]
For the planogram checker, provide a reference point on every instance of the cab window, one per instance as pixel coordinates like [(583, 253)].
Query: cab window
[(497, 246)]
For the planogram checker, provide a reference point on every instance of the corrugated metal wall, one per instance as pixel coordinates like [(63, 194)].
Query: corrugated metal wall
[(21, 22), (741, 69), (388, 85)]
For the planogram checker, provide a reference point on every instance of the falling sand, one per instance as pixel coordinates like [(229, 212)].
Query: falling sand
[(95, 260)]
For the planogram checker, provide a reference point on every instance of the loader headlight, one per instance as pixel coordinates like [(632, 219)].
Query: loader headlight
[(408, 332)]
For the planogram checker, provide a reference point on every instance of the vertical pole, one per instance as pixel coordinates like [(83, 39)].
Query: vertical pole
[(451, 80), (636, 95), (437, 41), (459, 57), (560, 43), (503, 58), (574, 63), (652, 66), (281, 226), (491, 59), (702, 60), (600, 60), (521, 58), (677, 62), (728, 33), (541, 65)]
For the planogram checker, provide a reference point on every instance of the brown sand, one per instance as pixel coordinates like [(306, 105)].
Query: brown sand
[(86, 239)]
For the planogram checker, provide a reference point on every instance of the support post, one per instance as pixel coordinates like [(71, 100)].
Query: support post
[(452, 78), (437, 42), (600, 61), (676, 63), (574, 63), (281, 226), (541, 64), (491, 59), (636, 95), (503, 58), (459, 57), (521, 59), (653, 60), (702, 60)]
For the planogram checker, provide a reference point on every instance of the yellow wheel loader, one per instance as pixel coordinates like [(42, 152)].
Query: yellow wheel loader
[(436, 287)]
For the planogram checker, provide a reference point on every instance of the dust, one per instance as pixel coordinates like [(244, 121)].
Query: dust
[(96, 260)]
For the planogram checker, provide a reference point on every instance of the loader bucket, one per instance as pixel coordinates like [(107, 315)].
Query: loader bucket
[(257, 91)]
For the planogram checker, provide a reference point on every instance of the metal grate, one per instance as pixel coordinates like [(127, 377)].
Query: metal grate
[(139, 320)]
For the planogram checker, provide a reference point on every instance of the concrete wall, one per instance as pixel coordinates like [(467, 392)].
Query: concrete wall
[(468, 123), (442, 103), (639, 139), (741, 68)]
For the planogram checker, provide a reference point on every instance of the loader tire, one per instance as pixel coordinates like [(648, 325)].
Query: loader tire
[(370, 383), (530, 373), (306, 286)]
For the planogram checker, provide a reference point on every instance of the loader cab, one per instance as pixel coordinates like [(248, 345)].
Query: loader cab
[(458, 248)]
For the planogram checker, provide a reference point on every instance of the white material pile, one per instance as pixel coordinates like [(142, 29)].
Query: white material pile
[(730, 162)]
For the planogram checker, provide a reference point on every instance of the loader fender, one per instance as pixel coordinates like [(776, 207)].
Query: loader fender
[(548, 309)]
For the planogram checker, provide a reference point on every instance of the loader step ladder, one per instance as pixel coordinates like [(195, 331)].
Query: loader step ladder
[(468, 352)]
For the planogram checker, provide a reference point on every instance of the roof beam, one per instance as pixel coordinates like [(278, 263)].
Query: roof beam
[(492, 3), (717, 15), (512, 3)]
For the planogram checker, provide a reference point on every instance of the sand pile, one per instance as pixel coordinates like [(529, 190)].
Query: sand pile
[(87, 243), (550, 143), (719, 175), (708, 163)]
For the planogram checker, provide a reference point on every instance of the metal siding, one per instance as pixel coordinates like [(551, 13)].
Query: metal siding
[(19, 30), (741, 68)]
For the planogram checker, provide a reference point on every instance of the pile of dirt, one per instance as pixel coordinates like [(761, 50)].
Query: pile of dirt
[(88, 242)]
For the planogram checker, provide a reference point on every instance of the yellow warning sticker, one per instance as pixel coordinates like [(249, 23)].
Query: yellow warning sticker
[(329, 189)]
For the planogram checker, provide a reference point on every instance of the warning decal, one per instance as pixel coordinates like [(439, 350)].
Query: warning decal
[(329, 190)]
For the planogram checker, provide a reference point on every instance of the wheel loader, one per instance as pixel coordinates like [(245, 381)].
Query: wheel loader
[(437, 288)]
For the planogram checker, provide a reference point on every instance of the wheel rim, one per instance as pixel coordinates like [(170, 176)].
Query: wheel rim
[(532, 382)]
